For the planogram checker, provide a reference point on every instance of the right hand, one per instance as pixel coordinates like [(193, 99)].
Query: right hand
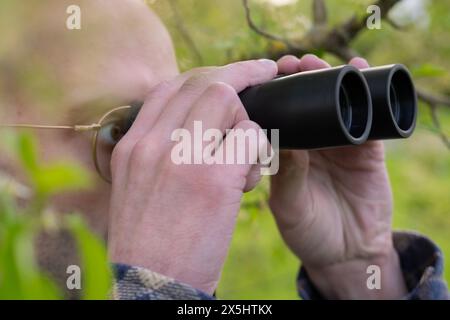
[(178, 220)]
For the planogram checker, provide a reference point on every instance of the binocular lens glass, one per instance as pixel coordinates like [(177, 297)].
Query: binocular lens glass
[(395, 103), (354, 105), (402, 100), (346, 108)]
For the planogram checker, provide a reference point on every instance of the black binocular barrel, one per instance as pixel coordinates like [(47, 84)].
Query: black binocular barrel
[(314, 109), (330, 107), (394, 101)]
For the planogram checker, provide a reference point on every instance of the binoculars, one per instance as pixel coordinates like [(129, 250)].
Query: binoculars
[(333, 107)]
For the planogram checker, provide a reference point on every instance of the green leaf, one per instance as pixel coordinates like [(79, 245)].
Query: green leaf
[(7, 208), (27, 152), (60, 177), (20, 277), (428, 70), (96, 272), (319, 52)]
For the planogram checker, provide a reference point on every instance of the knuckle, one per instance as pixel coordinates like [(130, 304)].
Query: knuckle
[(246, 73), (245, 66), (247, 124), (159, 90), (222, 91), (225, 97), (248, 69), (195, 82), (120, 153), (140, 154)]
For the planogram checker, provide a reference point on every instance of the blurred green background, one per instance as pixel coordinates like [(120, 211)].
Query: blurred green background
[(259, 266), (213, 32)]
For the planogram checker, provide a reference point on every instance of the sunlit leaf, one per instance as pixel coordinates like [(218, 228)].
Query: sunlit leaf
[(60, 177), (20, 277), (428, 70), (95, 269), (27, 152)]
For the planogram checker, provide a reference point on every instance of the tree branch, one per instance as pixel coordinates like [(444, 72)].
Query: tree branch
[(337, 42), (320, 14), (433, 99), (437, 125), (352, 27), (183, 31), (263, 33)]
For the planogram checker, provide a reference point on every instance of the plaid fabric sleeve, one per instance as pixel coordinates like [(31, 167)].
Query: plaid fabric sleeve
[(422, 265), (135, 283)]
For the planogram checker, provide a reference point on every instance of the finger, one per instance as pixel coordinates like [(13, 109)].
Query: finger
[(253, 178), (311, 62), (153, 106), (288, 65), (359, 63), (242, 154), (155, 102), (238, 75), (150, 111), (218, 108)]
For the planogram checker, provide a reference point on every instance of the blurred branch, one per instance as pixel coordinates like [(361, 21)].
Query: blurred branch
[(181, 27), (395, 25), (433, 102), (352, 27), (433, 99), (437, 124), (320, 14), (263, 33)]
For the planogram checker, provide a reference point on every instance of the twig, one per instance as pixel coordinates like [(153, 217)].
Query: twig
[(263, 33), (437, 125), (337, 42), (433, 99), (320, 14), (183, 31), (351, 28), (433, 102)]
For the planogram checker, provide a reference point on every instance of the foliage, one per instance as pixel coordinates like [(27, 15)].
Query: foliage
[(259, 264), (20, 275)]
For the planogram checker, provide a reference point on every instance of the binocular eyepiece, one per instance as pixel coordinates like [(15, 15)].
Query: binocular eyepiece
[(335, 107), (331, 107)]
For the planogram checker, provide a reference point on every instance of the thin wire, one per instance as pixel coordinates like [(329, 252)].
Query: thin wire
[(94, 126)]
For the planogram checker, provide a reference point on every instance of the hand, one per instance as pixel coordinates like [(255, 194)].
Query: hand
[(178, 220), (333, 208)]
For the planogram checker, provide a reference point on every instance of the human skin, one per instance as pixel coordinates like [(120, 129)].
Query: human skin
[(178, 220), (333, 209), (159, 218), (122, 51)]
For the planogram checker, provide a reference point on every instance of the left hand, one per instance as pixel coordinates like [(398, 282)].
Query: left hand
[(333, 208)]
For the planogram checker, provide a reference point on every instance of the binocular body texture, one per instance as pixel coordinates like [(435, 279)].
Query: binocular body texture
[(331, 107), (335, 107)]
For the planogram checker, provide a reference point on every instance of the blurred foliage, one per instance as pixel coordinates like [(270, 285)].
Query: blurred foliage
[(259, 264), (20, 275)]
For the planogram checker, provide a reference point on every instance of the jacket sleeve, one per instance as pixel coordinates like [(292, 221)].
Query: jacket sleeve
[(422, 266), (135, 283), (421, 262)]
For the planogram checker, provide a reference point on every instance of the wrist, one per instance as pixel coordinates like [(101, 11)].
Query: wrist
[(379, 277)]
